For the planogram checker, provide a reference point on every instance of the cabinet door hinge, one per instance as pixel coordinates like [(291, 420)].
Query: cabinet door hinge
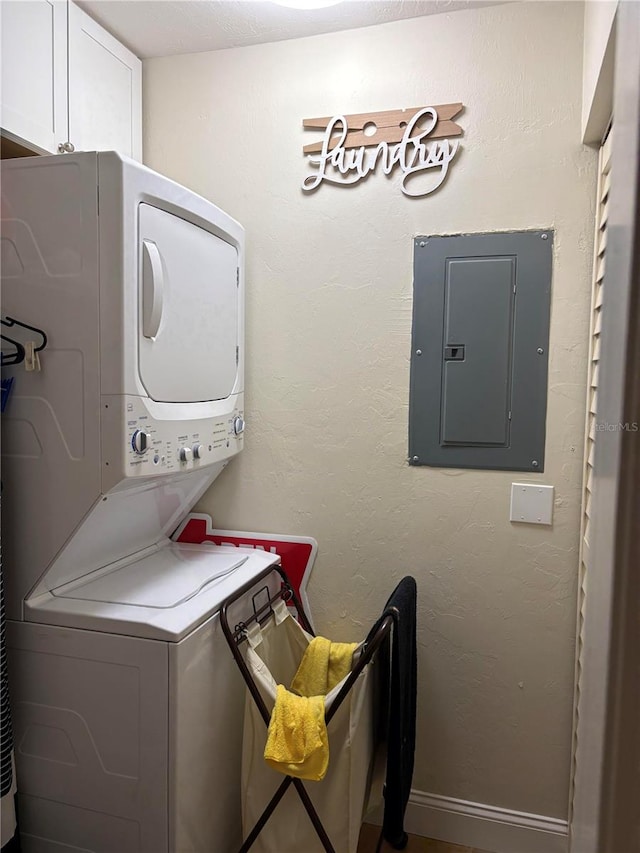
[(237, 276), (237, 355)]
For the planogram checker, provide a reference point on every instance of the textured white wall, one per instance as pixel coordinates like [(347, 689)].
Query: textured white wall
[(329, 284)]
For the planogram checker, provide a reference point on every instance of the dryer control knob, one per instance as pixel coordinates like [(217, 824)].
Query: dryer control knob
[(140, 441), (198, 451), (185, 454), (238, 425)]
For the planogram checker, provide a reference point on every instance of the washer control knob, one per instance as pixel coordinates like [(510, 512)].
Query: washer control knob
[(198, 451), (140, 441), (185, 454), (238, 425)]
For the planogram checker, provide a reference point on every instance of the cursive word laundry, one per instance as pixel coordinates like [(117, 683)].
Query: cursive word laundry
[(424, 162)]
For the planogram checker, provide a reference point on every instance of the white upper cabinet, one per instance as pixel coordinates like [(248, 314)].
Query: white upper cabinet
[(34, 72), (67, 84), (105, 90)]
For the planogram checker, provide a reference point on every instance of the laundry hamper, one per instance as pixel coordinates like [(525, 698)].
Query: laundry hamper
[(275, 643)]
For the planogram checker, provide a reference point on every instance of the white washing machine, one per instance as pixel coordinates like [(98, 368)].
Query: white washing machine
[(127, 705)]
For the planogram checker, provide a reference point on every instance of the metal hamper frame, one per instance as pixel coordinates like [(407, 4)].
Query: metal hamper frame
[(236, 636)]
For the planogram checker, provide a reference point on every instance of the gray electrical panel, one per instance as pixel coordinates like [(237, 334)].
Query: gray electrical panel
[(478, 396)]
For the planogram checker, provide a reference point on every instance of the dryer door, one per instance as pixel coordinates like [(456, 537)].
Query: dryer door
[(188, 310)]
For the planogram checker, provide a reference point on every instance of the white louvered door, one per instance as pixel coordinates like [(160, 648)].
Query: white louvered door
[(598, 300), (596, 327)]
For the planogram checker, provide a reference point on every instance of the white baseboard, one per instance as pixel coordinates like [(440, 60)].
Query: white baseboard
[(486, 827)]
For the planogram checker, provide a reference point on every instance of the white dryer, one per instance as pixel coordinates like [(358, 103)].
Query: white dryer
[(127, 704)]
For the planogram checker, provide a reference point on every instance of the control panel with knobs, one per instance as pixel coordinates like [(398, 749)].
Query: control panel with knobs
[(140, 441), (140, 445)]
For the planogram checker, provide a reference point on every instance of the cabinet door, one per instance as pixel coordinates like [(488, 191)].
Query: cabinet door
[(34, 72), (105, 90)]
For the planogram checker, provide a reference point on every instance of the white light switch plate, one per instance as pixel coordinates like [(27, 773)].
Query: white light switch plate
[(531, 504)]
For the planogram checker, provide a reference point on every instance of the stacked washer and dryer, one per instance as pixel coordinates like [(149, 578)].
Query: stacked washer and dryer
[(127, 705)]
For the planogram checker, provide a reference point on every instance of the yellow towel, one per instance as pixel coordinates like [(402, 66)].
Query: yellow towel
[(297, 740), (323, 665)]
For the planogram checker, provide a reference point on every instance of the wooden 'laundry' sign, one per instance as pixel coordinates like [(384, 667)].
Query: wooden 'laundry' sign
[(416, 141)]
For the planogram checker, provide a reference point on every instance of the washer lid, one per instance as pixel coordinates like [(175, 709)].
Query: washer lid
[(163, 595), (163, 580)]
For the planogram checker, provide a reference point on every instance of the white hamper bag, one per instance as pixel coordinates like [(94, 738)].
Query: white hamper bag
[(273, 655)]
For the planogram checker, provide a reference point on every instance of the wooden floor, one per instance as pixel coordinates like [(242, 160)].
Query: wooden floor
[(369, 838)]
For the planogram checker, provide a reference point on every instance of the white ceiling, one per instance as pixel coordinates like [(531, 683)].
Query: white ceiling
[(165, 27)]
